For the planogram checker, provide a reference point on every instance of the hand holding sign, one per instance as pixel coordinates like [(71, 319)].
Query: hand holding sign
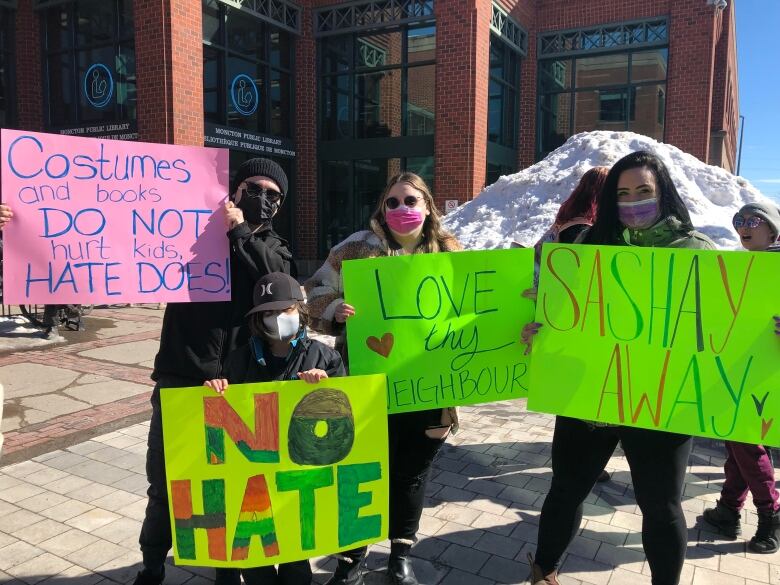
[(233, 215), (5, 215), (344, 312)]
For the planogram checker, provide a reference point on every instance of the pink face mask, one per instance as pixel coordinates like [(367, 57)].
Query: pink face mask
[(403, 220)]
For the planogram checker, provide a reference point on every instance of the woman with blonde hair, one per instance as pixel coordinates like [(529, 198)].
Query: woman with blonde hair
[(405, 221)]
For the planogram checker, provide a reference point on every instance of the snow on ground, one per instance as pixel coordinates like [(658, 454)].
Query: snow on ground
[(17, 333), (522, 206)]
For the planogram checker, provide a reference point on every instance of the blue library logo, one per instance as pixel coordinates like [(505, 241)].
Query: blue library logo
[(244, 94), (98, 85)]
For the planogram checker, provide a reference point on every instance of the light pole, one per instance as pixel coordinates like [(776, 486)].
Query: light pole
[(741, 136)]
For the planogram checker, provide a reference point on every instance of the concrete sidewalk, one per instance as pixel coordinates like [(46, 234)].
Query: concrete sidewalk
[(96, 380), (74, 514), (73, 486)]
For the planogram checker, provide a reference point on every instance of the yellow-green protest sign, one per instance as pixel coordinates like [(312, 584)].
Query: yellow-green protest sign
[(275, 472), (668, 339), (445, 328)]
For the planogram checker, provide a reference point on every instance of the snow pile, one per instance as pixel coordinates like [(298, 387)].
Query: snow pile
[(16, 334), (522, 206)]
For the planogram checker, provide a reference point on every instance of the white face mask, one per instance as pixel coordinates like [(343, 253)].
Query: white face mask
[(283, 326)]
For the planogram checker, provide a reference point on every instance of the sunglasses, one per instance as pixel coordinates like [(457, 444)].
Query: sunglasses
[(252, 190), (394, 202), (751, 222)]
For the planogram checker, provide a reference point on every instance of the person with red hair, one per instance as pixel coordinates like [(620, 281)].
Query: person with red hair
[(577, 213)]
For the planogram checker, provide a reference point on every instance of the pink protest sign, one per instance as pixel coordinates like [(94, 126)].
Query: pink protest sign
[(102, 221)]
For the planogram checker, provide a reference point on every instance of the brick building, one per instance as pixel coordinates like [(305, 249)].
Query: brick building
[(344, 94)]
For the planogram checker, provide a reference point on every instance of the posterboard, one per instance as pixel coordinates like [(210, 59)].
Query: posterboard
[(673, 340), (276, 472), (445, 327), (101, 221)]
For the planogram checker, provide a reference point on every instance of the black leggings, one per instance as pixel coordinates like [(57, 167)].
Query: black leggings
[(658, 461), (155, 539), (411, 454)]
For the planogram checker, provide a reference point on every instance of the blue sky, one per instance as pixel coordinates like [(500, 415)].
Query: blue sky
[(759, 92)]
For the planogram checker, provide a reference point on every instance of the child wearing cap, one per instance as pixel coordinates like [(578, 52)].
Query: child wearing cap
[(279, 349), (750, 467)]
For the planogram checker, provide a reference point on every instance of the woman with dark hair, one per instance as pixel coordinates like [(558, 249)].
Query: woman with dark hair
[(639, 206), (405, 221)]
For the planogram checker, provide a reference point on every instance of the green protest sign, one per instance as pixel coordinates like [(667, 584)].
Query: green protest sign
[(674, 340), (445, 328), (275, 472)]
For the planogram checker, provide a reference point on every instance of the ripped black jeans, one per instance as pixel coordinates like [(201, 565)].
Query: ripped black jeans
[(411, 455)]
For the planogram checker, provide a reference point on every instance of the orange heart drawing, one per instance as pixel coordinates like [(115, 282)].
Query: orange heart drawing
[(383, 347), (765, 426)]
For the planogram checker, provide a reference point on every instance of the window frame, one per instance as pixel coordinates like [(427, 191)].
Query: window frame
[(7, 54), (72, 53), (630, 87), (352, 71), (225, 52), (504, 154)]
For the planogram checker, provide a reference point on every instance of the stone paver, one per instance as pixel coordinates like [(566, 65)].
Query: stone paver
[(69, 513), (125, 353), (73, 511)]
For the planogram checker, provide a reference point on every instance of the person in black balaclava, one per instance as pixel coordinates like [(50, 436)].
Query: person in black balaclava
[(197, 337)]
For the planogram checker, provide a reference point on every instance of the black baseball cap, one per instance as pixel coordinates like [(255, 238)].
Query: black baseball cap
[(274, 292)]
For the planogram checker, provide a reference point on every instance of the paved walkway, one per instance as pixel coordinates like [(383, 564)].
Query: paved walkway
[(73, 496)]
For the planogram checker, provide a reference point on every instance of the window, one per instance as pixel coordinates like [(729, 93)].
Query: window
[(611, 91), (503, 109), (247, 71), (496, 171), (378, 84), (377, 117), (7, 99), (89, 62)]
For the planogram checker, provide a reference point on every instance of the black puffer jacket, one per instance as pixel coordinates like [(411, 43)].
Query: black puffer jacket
[(249, 363), (196, 338)]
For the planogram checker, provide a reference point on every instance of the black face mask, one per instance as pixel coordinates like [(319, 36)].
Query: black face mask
[(259, 205)]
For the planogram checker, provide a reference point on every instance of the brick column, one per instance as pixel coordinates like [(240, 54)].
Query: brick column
[(725, 97), (462, 46), (306, 208), (29, 71), (692, 27), (525, 14), (169, 70)]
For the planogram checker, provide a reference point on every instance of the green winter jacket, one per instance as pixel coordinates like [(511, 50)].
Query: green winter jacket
[(667, 233)]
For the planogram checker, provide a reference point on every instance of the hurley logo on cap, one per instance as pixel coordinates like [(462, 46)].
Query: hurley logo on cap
[(265, 289)]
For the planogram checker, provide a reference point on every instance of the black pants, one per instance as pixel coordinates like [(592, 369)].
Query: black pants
[(657, 460), (155, 539), (295, 573), (411, 455)]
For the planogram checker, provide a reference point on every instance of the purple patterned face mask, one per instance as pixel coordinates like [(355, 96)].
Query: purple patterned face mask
[(638, 214)]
